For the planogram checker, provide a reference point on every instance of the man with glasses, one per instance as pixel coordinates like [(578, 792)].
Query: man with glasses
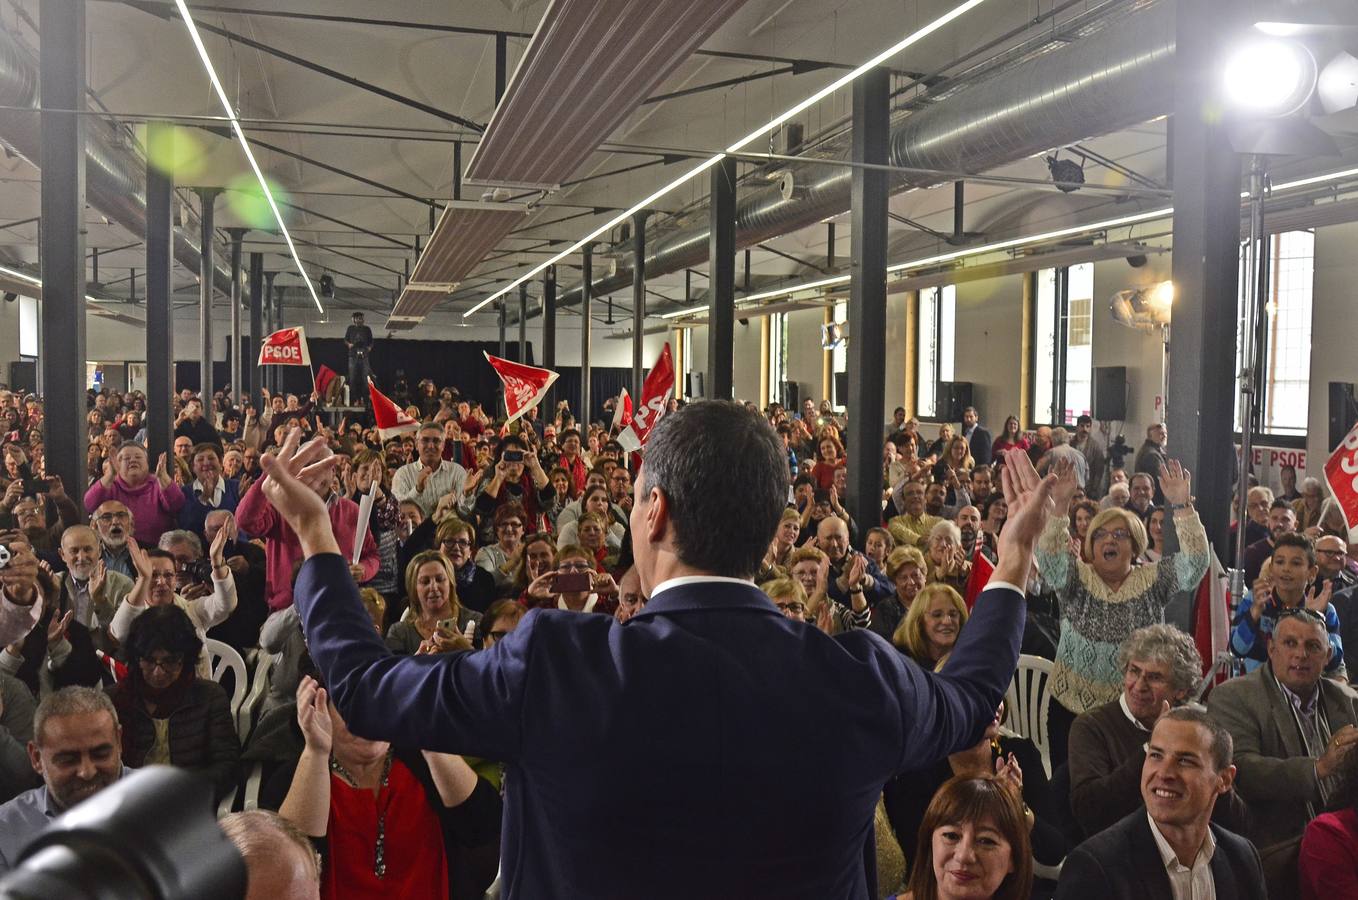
[(1291, 726), (1291, 584), (431, 477), (112, 521)]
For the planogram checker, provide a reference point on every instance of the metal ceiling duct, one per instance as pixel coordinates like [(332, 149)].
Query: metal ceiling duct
[(115, 173), (1114, 77), (589, 65)]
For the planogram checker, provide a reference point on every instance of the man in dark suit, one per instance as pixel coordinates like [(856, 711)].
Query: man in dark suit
[(1169, 848), (978, 439), (693, 702)]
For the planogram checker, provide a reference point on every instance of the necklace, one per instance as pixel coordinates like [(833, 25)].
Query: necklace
[(380, 853)]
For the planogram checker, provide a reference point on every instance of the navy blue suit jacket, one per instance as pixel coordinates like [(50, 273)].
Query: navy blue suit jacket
[(710, 747)]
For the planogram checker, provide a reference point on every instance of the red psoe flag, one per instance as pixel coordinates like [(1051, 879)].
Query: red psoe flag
[(524, 385), (655, 395), (285, 347), (391, 419), (622, 412), (325, 376), (1341, 474)]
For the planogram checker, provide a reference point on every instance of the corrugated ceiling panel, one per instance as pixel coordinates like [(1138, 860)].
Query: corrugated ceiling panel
[(461, 239), (589, 65)]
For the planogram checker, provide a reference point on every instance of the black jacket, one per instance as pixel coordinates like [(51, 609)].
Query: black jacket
[(202, 735), (1123, 863)]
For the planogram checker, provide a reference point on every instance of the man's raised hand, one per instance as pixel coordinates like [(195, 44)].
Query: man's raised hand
[(294, 482)]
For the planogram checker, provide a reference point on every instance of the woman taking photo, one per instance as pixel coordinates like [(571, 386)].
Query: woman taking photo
[(537, 558), (1106, 599), (931, 625), (953, 468), (597, 591), (435, 620), (973, 844), (386, 820), (456, 540)]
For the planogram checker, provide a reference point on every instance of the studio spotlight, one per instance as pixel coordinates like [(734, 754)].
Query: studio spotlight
[(1067, 173), (1270, 77), (327, 286), (1137, 261)]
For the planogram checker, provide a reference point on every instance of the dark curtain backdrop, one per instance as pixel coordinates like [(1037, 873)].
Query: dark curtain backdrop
[(448, 363)]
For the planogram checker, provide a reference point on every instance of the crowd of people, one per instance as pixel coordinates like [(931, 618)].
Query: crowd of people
[(111, 590)]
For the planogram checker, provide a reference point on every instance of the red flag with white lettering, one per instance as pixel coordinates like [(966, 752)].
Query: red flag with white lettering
[(285, 347), (622, 412), (391, 419), (524, 385), (655, 396), (1341, 474)]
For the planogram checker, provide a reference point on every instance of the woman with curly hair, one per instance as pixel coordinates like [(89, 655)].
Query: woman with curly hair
[(829, 456), (931, 625)]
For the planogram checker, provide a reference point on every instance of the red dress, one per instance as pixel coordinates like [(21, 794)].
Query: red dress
[(824, 473), (413, 850)]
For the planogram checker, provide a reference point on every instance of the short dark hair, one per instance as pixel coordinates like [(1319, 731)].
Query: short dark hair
[(725, 476), (1280, 503), (1222, 745), (1300, 541), (1083, 420), (804, 479), (163, 628)]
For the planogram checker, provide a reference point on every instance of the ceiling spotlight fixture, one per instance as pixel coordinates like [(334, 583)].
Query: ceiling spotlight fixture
[(1270, 76), (328, 286), (10, 296), (1067, 174)]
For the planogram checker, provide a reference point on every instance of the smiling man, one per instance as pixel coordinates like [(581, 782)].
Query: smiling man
[(1292, 728), (1170, 849)]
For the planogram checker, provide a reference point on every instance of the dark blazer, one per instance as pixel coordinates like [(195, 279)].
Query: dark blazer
[(981, 444), (692, 724), (1123, 863)]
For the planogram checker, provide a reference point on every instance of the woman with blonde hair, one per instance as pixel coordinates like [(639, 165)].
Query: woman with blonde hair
[(953, 468), (781, 548), (456, 540), (907, 570), (931, 625), (787, 594), (435, 622)]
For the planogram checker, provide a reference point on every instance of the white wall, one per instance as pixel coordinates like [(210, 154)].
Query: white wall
[(989, 344), (804, 354), (746, 365), (9, 337)]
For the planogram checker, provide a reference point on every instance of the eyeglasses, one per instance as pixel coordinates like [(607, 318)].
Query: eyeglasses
[(579, 566), (1300, 612), (462, 543), (510, 526), (796, 608), (106, 518), (164, 663), (1117, 534), (1330, 552)]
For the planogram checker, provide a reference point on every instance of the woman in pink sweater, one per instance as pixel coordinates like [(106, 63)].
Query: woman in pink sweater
[(154, 502)]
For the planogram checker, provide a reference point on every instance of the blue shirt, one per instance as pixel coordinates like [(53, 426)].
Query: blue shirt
[(1249, 640)]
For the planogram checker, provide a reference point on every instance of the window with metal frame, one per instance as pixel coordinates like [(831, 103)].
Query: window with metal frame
[(1063, 344), (1283, 334), (937, 346)]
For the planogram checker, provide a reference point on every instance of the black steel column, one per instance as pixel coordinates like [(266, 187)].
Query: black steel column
[(237, 395), (206, 268), (270, 373), (638, 301), (256, 330), (866, 353), (721, 283), (61, 241), (586, 301), (1205, 267), (159, 308), (549, 332), (500, 308), (523, 322)]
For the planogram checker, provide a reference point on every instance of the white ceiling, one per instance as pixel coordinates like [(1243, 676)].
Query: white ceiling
[(145, 66)]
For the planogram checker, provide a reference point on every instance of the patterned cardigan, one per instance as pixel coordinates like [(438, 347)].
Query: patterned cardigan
[(1096, 620)]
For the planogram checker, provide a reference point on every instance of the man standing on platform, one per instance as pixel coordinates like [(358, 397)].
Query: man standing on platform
[(359, 339), (717, 684)]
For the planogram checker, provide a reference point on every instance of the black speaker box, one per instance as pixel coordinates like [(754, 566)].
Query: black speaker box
[(1110, 393), (950, 399)]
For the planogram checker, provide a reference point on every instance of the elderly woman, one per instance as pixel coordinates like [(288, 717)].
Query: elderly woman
[(155, 500), (1309, 505), (948, 564), (456, 540), (435, 619), (1104, 600), (599, 596), (168, 714), (787, 594), (973, 843), (931, 625), (497, 558), (907, 569)]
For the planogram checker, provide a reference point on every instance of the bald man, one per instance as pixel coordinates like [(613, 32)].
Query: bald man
[(89, 587), (279, 860)]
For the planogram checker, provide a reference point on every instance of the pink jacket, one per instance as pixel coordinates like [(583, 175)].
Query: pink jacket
[(282, 551), (155, 510)]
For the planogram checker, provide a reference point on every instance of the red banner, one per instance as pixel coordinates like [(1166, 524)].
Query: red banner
[(622, 412), (524, 385), (391, 420), (655, 396), (981, 570), (286, 347), (325, 376), (1341, 474)]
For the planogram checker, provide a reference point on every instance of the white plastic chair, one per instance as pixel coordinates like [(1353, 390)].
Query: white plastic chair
[(259, 686), (221, 658), (1028, 700)]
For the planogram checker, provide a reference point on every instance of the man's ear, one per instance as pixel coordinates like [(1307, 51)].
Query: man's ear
[(657, 515)]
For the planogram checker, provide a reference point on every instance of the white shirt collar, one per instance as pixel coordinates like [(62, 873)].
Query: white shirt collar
[(695, 579), (589, 603), (217, 491), (1171, 859), (1127, 711)]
